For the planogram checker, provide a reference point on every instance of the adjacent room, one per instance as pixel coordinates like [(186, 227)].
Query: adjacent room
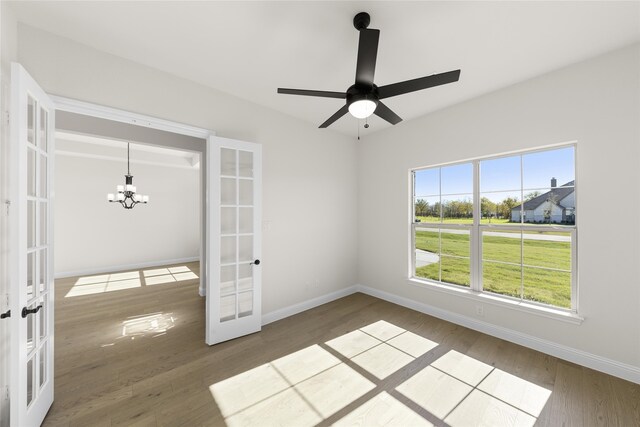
[(343, 213)]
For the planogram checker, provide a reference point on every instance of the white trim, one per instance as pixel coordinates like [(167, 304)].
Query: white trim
[(583, 358), (109, 113), (306, 305), (191, 166), (114, 268), (94, 110), (500, 300)]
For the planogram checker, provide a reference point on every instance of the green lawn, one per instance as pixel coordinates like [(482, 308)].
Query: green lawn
[(546, 286)]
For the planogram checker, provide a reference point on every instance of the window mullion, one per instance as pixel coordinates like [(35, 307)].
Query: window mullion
[(476, 244)]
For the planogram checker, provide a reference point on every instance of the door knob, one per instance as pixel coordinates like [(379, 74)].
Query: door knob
[(27, 311), (256, 262)]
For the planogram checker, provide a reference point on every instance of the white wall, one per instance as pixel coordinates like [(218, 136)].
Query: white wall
[(91, 234), (596, 103), (309, 174)]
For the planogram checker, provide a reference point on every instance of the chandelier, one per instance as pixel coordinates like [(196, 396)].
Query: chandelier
[(126, 195)]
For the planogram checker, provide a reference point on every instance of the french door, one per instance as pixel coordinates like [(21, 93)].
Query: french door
[(31, 250), (234, 301)]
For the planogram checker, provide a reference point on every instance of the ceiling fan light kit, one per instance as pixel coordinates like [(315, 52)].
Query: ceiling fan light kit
[(363, 98)]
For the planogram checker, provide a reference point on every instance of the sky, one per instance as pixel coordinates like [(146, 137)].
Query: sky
[(499, 178)]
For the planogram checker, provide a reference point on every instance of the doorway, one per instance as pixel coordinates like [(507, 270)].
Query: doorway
[(230, 224)]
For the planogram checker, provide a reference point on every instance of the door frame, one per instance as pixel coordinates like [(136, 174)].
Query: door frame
[(114, 114)]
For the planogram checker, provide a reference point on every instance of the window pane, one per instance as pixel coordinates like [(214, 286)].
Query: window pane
[(30, 378), (550, 206), (500, 174), (42, 270), (245, 249), (227, 307), (427, 209), (500, 207), (31, 119), (457, 209), (246, 192), (246, 163), (547, 286), (245, 304), (31, 274), (503, 279), (542, 169), (502, 246), (31, 327), (42, 137), (42, 235), (245, 277), (547, 249), (228, 249), (455, 242), (245, 220), (427, 251), (228, 220), (31, 224), (427, 183), (228, 191), (42, 189), (31, 172), (43, 365), (227, 279), (227, 162), (455, 270), (457, 179)]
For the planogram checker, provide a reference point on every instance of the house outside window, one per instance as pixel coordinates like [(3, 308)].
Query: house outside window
[(499, 225)]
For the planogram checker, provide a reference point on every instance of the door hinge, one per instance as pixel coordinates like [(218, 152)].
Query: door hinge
[(8, 203), (6, 392)]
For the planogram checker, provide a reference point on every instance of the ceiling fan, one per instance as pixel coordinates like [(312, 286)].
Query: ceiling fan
[(363, 98)]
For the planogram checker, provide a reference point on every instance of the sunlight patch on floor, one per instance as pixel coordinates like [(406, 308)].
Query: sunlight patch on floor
[(299, 389), (103, 283), (383, 410), (313, 384), (85, 288), (148, 324)]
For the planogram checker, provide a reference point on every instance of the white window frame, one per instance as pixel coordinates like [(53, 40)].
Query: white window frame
[(475, 290)]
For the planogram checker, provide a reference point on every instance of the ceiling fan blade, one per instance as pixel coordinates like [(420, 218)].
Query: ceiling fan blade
[(321, 93), (386, 113), (418, 84), (367, 54), (341, 112)]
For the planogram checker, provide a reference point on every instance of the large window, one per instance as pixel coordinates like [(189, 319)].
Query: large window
[(504, 225)]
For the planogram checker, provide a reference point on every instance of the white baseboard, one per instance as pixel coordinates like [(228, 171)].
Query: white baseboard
[(599, 363), (111, 269), (306, 305)]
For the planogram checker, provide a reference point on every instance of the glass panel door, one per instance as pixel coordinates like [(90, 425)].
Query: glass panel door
[(31, 358), (234, 289)]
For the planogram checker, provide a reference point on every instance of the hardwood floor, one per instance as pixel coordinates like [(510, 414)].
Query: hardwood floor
[(130, 351)]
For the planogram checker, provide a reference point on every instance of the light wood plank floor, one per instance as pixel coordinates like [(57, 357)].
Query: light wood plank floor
[(130, 351)]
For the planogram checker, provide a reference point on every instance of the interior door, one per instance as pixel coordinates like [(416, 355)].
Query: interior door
[(234, 239), (31, 250)]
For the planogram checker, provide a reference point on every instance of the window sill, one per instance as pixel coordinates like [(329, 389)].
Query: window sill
[(485, 297)]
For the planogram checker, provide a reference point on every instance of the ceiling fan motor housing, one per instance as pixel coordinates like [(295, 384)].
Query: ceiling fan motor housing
[(361, 92), (361, 21)]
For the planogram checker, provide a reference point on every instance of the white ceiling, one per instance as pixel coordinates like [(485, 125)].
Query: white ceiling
[(249, 49)]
